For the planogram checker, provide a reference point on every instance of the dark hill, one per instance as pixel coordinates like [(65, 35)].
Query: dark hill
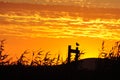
[(86, 69)]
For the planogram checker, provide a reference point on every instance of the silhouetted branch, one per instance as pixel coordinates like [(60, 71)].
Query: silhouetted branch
[(113, 53)]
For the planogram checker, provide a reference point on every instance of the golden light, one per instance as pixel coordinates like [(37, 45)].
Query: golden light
[(56, 29)]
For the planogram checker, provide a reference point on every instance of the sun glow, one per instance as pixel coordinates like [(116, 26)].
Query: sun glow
[(61, 27), (65, 26)]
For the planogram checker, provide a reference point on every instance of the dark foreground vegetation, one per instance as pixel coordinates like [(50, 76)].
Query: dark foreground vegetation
[(104, 69), (106, 66)]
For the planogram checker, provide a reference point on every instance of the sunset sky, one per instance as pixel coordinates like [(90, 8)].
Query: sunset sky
[(98, 3), (52, 25)]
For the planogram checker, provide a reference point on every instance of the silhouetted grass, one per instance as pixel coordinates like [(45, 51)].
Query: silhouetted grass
[(47, 68), (114, 53)]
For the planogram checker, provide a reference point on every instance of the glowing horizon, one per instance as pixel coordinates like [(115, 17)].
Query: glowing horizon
[(42, 26)]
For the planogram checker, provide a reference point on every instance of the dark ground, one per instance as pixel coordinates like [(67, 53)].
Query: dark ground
[(105, 69)]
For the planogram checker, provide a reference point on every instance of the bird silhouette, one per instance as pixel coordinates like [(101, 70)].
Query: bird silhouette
[(77, 44)]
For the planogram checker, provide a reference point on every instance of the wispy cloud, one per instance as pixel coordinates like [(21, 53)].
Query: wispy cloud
[(52, 24)]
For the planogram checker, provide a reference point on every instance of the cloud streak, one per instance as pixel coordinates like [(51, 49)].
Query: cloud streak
[(53, 24)]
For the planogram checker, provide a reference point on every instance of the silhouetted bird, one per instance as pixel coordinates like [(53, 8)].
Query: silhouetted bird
[(77, 44)]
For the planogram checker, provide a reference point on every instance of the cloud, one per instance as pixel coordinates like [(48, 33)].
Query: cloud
[(57, 25)]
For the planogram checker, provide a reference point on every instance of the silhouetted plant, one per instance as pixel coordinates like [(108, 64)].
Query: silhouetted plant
[(2, 55), (46, 60), (114, 53), (103, 53), (58, 59), (81, 53), (21, 60), (36, 58)]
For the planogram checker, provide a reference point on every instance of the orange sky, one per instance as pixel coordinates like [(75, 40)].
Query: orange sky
[(53, 28), (92, 3)]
